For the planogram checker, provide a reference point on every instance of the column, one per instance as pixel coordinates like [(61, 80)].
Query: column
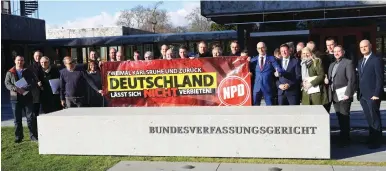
[(240, 36)]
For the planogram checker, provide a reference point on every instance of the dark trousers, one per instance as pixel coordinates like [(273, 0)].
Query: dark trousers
[(75, 102), (257, 96), (327, 107), (342, 109), (373, 116), (288, 100), (51, 104), (36, 109), (17, 109)]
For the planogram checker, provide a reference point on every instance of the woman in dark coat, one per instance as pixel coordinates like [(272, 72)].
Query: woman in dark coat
[(50, 101), (94, 99)]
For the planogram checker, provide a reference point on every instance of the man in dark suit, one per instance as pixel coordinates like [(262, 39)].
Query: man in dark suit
[(327, 59), (288, 83), (370, 70), (264, 69), (341, 76)]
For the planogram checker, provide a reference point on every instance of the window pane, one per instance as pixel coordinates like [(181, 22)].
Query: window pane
[(103, 53), (129, 50), (379, 45), (192, 46), (74, 55), (148, 47), (84, 52), (140, 49)]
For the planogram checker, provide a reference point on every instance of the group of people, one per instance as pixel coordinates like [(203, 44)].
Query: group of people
[(306, 77), (32, 89), (330, 79)]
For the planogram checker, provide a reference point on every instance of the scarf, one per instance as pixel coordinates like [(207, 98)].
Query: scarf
[(306, 63), (47, 70)]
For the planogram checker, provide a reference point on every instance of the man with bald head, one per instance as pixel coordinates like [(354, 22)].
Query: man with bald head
[(112, 54), (264, 68), (370, 71)]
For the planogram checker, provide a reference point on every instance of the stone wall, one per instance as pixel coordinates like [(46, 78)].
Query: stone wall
[(18, 28), (209, 8), (92, 32), (85, 32)]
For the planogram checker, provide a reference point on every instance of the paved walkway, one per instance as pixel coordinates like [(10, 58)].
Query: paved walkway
[(191, 166)]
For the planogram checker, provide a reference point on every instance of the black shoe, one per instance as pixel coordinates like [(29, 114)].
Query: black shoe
[(18, 140), (34, 139)]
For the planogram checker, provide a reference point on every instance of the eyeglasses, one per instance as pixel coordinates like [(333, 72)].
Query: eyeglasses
[(71, 62)]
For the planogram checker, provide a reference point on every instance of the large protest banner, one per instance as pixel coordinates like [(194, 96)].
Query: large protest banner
[(222, 81)]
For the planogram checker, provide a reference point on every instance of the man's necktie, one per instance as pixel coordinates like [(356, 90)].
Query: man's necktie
[(285, 64), (363, 63), (261, 63)]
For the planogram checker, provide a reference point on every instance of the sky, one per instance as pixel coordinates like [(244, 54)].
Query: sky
[(89, 14)]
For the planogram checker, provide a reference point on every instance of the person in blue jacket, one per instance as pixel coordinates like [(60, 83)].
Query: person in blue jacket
[(264, 69)]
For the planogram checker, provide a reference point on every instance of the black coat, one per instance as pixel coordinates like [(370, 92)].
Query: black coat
[(36, 69), (44, 77), (48, 99), (95, 99)]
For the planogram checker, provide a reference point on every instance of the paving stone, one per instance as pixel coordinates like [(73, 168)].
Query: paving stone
[(359, 153), (163, 166), (358, 168), (272, 167)]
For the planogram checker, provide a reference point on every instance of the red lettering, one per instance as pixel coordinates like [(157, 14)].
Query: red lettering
[(160, 92), (174, 91), (148, 93)]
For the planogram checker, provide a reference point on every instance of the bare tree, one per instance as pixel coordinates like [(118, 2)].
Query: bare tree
[(139, 15), (149, 18), (125, 19), (198, 23)]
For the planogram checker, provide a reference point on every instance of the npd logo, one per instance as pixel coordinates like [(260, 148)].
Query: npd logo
[(233, 91)]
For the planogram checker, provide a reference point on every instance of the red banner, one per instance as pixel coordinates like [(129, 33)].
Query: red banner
[(222, 81)]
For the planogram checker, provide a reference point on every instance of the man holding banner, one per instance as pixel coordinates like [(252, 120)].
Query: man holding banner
[(263, 68)]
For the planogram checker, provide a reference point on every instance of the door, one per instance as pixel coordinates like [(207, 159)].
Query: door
[(348, 37)]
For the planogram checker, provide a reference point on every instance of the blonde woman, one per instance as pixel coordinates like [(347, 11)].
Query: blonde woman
[(313, 90), (216, 52)]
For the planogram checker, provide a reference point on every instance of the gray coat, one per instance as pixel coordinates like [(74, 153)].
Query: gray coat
[(344, 76), (11, 78)]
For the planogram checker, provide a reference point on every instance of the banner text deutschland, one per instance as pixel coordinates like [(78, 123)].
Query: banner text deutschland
[(180, 81)]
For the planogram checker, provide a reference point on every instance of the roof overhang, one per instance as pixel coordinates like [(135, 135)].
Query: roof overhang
[(19, 28), (227, 12)]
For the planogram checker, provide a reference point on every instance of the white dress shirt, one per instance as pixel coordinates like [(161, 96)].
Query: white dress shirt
[(285, 63), (365, 58)]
